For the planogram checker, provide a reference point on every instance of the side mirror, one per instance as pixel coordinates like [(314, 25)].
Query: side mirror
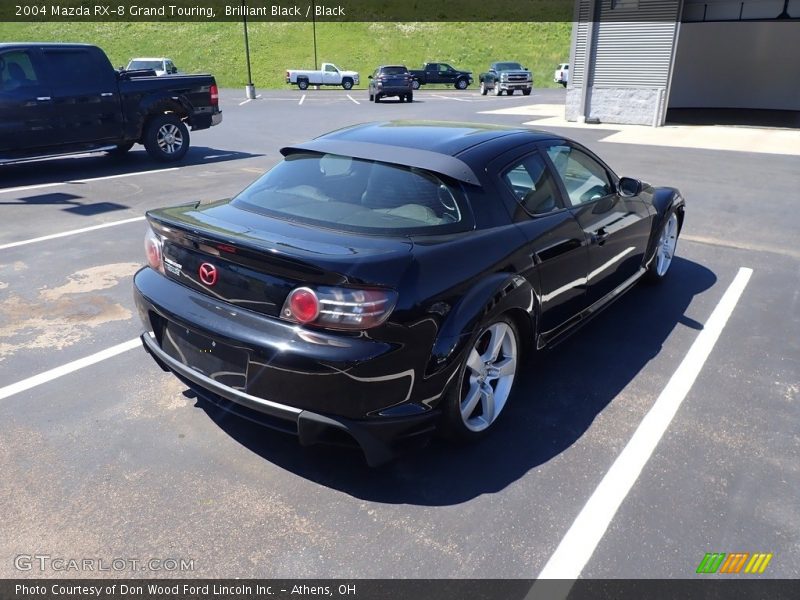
[(629, 187)]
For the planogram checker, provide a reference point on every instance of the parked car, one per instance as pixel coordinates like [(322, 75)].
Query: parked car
[(562, 74), (387, 279), (62, 98), (506, 77), (328, 74), (162, 66), (440, 73), (391, 80)]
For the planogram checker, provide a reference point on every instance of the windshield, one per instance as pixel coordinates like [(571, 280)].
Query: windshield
[(509, 66), (352, 194), (156, 65)]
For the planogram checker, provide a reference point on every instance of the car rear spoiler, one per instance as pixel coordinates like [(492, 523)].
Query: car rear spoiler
[(443, 164)]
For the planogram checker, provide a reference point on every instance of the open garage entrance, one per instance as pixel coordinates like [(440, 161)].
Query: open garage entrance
[(736, 63)]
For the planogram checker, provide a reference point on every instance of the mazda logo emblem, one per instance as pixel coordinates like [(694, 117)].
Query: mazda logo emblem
[(208, 273)]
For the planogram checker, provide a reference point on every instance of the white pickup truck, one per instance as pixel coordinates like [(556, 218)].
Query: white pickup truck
[(329, 74)]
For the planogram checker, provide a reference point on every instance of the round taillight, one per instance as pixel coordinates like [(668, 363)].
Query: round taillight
[(304, 305)]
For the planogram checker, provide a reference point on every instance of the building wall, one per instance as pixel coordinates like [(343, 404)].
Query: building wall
[(623, 50), (737, 65)]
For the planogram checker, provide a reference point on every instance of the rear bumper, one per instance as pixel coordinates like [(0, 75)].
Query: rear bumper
[(204, 120), (379, 439), (306, 382), (394, 90)]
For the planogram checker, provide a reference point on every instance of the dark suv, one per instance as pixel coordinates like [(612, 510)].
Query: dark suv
[(393, 80)]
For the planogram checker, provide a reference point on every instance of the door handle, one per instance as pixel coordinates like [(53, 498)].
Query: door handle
[(599, 237), (106, 94)]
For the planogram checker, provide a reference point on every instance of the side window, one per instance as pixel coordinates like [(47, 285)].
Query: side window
[(532, 184), (443, 68), (330, 68), (584, 178), (76, 71), (16, 71)]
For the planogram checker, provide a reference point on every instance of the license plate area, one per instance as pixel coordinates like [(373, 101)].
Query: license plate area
[(220, 362)]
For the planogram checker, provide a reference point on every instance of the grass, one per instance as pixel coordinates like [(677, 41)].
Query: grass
[(218, 47)]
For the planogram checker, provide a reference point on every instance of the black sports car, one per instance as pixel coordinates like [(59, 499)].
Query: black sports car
[(384, 279)]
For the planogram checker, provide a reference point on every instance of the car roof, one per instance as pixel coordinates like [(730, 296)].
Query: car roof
[(432, 145), (159, 58), (442, 137), (392, 67)]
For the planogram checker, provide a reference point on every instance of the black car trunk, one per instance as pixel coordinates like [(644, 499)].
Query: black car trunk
[(254, 261)]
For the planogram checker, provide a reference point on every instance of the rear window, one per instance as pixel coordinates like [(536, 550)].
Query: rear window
[(394, 70), (351, 194)]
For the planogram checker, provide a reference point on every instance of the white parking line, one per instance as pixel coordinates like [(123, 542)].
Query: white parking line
[(88, 180), (31, 382), (302, 99), (579, 543), (451, 98), (353, 99), (245, 102), (54, 236)]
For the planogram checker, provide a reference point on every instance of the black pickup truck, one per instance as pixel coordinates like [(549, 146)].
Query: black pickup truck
[(506, 77), (66, 98), (440, 73)]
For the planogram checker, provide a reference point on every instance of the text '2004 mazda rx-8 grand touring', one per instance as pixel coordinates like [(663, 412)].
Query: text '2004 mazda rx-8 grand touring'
[(384, 280)]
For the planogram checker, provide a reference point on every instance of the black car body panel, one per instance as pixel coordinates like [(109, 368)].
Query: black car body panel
[(69, 99), (547, 266)]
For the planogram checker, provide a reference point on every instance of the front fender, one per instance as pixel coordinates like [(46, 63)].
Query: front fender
[(494, 295), (664, 201)]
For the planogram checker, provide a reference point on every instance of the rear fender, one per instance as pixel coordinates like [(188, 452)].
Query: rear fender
[(495, 295), (159, 104)]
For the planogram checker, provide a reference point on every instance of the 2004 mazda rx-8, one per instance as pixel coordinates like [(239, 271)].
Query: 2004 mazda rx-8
[(384, 279)]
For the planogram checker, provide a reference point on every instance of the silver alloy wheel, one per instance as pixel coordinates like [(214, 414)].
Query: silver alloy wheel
[(666, 245), (169, 138), (490, 370)]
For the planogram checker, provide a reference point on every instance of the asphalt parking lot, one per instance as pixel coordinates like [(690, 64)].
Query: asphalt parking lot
[(118, 459)]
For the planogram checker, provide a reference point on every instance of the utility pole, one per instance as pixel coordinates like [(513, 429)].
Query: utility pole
[(250, 89)]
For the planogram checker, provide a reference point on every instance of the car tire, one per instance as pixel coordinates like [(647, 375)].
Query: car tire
[(510, 92), (564, 83), (371, 96), (665, 249), (347, 83), (377, 97), (484, 381), (497, 91), (527, 92), (120, 149), (166, 138), (461, 84), (483, 89), (302, 84), (409, 97), (415, 84)]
